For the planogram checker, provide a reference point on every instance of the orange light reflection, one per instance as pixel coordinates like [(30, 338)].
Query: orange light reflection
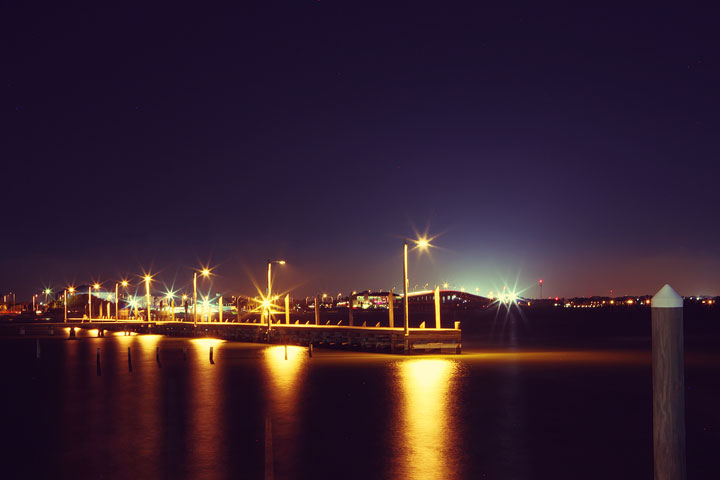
[(427, 431)]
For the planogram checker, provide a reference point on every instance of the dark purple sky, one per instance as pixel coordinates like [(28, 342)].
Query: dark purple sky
[(580, 146)]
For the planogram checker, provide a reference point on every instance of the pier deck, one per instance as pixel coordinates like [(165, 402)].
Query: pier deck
[(360, 338)]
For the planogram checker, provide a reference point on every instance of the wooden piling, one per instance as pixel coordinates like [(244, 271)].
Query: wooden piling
[(350, 311), (212, 362), (129, 361), (668, 385), (317, 311), (391, 308)]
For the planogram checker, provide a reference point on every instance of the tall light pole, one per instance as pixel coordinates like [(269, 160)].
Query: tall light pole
[(96, 286), (67, 290), (541, 283), (405, 289), (147, 296), (65, 303), (205, 273), (422, 243), (269, 289)]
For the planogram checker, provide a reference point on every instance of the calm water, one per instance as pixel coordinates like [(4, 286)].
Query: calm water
[(502, 413)]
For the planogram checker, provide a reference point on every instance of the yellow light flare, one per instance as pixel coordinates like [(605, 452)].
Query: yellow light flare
[(124, 283), (96, 286)]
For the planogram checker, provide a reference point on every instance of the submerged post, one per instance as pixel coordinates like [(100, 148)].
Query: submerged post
[(668, 385)]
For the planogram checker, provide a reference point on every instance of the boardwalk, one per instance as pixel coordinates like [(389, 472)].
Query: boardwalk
[(362, 338)]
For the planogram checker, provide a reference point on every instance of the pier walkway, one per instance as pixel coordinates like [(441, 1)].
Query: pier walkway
[(361, 338)]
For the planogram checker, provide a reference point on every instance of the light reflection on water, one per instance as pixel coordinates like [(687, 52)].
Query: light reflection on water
[(500, 413), (427, 435), (283, 384), (205, 409)]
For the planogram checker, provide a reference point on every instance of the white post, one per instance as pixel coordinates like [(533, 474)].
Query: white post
[(668, 385), (65, 303), (220, 305), (117, 301), (89, 303), (437, 307)]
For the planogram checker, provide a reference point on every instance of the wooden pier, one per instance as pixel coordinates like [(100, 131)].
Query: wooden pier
[(359, 338)]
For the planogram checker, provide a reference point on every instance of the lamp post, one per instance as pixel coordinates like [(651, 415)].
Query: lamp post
[(147, 295), (422, 243), (65, 304), (405, 290), (70, 290), (205, 273), (269, 289)]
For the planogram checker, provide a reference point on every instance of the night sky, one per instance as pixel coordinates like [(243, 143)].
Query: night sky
[(578, 146)]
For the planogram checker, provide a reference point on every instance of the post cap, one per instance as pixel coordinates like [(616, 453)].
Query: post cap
[(666, 298)]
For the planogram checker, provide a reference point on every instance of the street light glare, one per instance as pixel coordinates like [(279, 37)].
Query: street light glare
[(281, 262), (423, 243), (205, 272), (124, 283), (48, 291), (96, 286)]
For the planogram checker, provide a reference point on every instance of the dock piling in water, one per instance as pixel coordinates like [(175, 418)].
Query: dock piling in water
[(668, 385)]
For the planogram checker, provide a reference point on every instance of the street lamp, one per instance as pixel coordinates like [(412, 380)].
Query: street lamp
[(124, 284), (147, 295), (205, 272), (268, 302), (422, 243), (69, 290)]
